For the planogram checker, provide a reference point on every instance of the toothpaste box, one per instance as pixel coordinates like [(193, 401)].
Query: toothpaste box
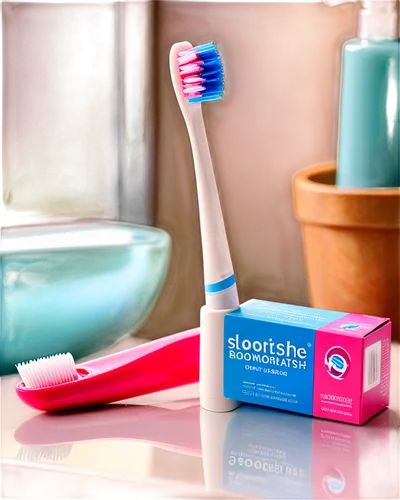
[(322, 363)]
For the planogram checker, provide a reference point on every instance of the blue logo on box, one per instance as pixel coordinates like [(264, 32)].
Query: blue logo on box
[(350, 326)]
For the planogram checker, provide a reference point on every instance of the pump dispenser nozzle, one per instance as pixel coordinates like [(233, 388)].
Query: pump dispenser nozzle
[(379, 19)]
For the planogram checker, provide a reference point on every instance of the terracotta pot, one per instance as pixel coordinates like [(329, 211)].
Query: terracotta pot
[(351, 244)]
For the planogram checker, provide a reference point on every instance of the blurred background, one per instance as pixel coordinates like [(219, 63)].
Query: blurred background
[(92, 130)]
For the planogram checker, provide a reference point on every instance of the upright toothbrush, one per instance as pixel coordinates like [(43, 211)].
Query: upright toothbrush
[(197, 76)]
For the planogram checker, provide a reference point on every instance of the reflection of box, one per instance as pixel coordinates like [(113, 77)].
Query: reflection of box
[(340, 453), (273, 454), (322, 363), (268, 453)]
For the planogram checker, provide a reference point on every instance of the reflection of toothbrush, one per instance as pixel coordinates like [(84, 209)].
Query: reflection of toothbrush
[(213, 428), (174, 430), (197, 76), (56, 384)]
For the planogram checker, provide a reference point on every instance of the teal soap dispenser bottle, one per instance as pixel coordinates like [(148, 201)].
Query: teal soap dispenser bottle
[(368, 142)]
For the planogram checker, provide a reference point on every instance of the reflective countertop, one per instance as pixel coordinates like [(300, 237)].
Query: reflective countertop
[(165, 446)]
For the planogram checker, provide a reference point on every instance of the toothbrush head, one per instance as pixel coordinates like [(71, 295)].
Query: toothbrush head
[(49, 371), (201, 73)]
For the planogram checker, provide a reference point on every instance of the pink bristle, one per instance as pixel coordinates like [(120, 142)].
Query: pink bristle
[(189, 69), (187, 56), (193, 89), (190, 65), (190, 80)]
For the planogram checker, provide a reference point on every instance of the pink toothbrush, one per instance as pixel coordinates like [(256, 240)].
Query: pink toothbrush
[(57, 384)]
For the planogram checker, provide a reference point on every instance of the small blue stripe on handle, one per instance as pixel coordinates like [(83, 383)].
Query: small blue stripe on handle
[(220, 286)]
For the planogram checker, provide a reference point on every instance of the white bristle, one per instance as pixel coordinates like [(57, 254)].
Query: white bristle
[(50, 453), (45, 372)]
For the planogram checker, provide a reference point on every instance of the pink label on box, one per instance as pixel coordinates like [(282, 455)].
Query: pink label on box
[(337, 376)]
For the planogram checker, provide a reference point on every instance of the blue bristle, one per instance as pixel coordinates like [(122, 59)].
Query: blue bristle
[(212, 72)]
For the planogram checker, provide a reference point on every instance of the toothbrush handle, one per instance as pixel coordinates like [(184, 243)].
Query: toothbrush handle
[(159, 365), (162, 364), (212, 362), (218, 269)]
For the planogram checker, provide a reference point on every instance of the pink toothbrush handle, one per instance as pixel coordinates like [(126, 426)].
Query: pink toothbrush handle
[(156, 366)]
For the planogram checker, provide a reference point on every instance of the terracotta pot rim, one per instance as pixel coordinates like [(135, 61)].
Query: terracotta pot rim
[(324, 204), (302, 179)]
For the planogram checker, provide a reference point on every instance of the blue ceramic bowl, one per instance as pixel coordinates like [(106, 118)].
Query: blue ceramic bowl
[(76, 287)]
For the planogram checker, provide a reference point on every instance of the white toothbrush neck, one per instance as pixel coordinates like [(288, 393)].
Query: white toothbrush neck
[(218, 270), (219, 280)]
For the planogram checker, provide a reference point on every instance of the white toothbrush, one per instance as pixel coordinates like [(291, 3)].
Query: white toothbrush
[(197, 76)]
